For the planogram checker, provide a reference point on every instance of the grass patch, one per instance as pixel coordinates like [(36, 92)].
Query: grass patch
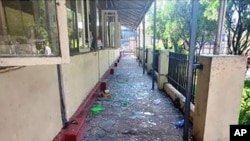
[(244, 118)]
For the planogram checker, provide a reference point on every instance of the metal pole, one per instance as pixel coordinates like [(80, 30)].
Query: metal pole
[(221, 18), (144, 51), (100, 21), (93, 23), (139, 44), (62, 95), (195, 4), (153, 84)]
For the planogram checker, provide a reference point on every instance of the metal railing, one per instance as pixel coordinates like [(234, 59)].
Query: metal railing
[(156, 60), (178, 73), (145, 58)]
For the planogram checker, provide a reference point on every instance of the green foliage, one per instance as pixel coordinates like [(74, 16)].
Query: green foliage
[(41, 32), (174, 18), (173, 25), (158, 45), (236, 23), (211, 11), (244, 118)]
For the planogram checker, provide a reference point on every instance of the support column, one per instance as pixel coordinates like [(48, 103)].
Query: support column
[(218, 96), (154, 44), (163, 68), (100, 3), (93, 26), (144, 46), (139, 45)]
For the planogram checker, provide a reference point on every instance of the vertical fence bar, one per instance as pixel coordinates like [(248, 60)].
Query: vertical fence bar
[(144, 51), (177, 71), (195, 4), (139, 44), (153, 83)]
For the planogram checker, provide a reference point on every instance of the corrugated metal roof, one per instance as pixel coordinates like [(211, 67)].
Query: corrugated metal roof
[(130, 12)]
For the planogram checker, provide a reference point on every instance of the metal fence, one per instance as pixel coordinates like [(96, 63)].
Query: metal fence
[(156, 60), (178, 73)]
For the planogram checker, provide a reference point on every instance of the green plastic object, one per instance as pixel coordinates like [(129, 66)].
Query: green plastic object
[(125, 102), (97, 109)]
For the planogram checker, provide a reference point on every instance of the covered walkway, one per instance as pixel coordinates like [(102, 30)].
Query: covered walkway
[(133, 112)]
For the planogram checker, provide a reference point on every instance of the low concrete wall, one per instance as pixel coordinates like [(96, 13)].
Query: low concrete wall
[(80, 76), (163, 64), (137, 52), (110, 56), (103, 61), (29, 97), (141, 54), (30, 105), (178, 99)]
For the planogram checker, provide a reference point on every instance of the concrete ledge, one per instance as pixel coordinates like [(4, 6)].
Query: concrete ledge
[(156, 74), (159, 79), (178, 99)]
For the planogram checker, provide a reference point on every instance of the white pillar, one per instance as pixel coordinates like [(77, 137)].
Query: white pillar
[(218, 96), (163, 68)]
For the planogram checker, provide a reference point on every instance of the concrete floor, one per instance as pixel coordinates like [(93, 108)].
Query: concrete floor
[(133, 112)]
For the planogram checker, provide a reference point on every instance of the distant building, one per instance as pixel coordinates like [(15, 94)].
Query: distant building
[(128, 39)]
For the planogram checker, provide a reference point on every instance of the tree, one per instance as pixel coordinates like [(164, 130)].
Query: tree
[(207, 24), (173, 25), (237, 25)]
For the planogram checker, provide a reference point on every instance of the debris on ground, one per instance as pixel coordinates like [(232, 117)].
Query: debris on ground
[(104, 94), (179, 124), (157, 101), (133, 112), (97, 109), (125, 102)]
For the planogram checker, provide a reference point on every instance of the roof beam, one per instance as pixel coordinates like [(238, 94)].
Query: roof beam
[(112, 3), (134, 13), (136, 2), (126, 21), (129, 11), (131, 14), (128, 18), (125, 8), (147, 6)]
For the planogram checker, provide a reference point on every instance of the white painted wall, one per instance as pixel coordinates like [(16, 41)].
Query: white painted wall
[(104, 61), (29, 97), (29, 101)]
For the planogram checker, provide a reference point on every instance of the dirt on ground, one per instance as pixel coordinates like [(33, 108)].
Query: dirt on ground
[(133, 112)]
